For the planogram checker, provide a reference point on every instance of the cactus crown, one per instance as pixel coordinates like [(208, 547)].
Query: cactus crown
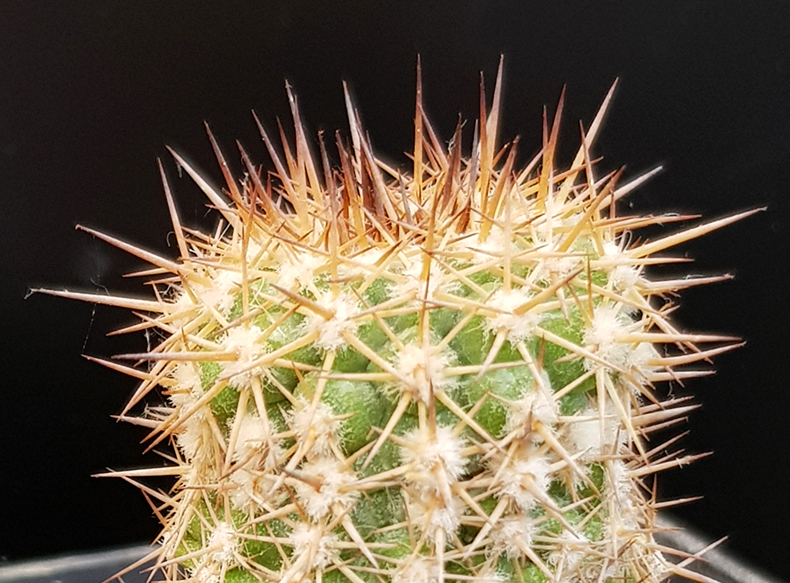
[(449, 376)]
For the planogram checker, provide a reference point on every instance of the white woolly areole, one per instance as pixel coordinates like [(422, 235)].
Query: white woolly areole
[(641, 355), (431, 513), (193, 434), (585, 435), (534, 406), (256, 479), (317, 423), (510, 535), (312, 541), (620, 481), (426, 456), (330, 332), (625, 515), (494, 245), (254, 250), (607, 323), (253, 438), (221, 294), (560, 267), (420, 570), (611, 250), (421, 370), (572, 550), (622, 275), (655, 563), (181, 311), (557, 264), (243, 342), (414, 283), (359, 265), (333, 479), (255, 488), (489, 574), (521, 478), (505, 302), (299, 271), (223, 543), (433, 465), (188, 387), (205, 575)]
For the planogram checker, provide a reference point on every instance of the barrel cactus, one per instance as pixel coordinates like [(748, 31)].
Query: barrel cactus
[(448, 374)]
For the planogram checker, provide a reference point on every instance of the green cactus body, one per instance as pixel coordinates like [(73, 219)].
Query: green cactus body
[(446, 376)]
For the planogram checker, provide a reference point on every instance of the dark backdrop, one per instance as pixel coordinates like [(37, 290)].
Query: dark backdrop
[(90, 92)]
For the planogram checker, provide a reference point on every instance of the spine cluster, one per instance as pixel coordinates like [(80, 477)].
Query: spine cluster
[(451, 375)]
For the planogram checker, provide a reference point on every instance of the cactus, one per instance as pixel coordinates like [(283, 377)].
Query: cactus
[(371, 377)]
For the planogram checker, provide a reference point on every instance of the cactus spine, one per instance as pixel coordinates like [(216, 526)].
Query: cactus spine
[(449, 376)]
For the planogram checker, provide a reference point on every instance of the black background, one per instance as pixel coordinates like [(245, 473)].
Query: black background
[(90, 92)]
